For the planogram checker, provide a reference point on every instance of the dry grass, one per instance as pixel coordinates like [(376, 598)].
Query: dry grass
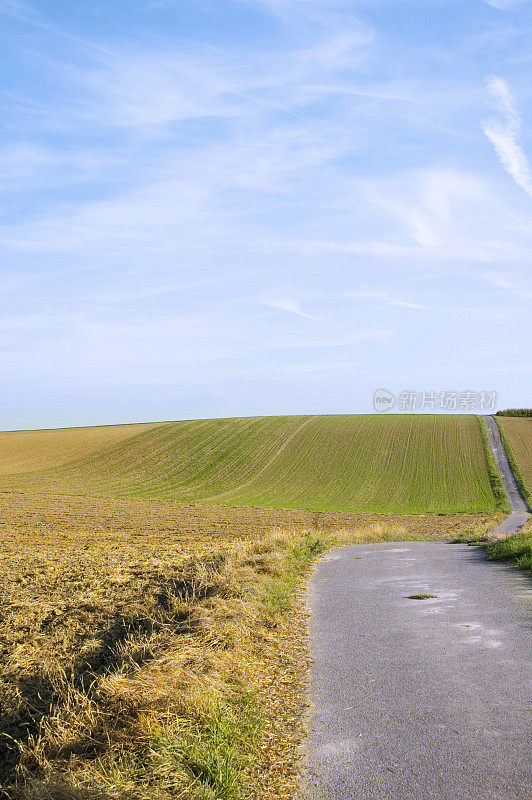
[(62, 521), (151, 650)]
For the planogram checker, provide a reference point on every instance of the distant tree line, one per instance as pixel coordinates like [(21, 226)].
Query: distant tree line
[(515, 412)]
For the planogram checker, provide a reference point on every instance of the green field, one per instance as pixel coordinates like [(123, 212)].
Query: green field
[(366, 463), (517, 432)]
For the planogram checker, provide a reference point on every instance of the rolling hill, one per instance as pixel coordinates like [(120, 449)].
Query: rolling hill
[(363, 463), (24, 451)]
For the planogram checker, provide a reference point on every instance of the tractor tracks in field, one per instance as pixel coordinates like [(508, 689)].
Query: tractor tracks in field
[(263, 469)]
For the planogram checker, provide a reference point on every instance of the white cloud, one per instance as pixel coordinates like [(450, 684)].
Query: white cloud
[(377, 294), (308, 8), (291, 306), (142, 88), (504, 134), (504, 5), (500, 280), (429, 205)]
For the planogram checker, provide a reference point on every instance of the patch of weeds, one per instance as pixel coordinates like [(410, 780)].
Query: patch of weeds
[(305, 552), (517, 548), (207, 756), (421, 596), (278, 593), (394, 533), (471, 537), (212, 750)]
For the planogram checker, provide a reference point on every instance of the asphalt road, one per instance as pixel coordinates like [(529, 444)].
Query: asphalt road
[(520, 512), (418, 699)]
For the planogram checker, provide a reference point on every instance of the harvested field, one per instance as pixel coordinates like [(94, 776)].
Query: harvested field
[(72, 522), (360, 463), (518, 432), (156, 650)]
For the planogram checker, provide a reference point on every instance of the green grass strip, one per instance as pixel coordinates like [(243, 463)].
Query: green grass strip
[(515, 412), (516, 548), (519, 477), (276, 596), (501, 498)]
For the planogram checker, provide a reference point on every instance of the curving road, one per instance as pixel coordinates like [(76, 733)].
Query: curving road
[(520, 512), (418, 699)]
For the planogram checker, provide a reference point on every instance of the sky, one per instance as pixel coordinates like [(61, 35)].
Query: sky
[(217, 208)]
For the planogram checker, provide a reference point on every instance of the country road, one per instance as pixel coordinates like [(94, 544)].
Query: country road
[(418, 699), (519, 510)]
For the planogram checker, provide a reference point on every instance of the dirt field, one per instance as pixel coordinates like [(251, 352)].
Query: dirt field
[(117, 615), (69, 521)]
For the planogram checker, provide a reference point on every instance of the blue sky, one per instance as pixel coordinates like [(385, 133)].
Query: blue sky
[(233, 207)]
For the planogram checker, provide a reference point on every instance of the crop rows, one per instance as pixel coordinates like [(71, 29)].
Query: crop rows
[(360, 463), (518, 431)]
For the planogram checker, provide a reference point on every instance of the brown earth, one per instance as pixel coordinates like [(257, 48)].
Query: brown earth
[(65, 521)]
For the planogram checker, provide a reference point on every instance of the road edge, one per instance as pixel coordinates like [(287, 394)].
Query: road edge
[(520, 511)]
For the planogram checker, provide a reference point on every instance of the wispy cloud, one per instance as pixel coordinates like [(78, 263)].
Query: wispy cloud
[(500, 280), (384, 297), (207, 195), (504, 133), (504, 5), (428, 204), (292, 306)]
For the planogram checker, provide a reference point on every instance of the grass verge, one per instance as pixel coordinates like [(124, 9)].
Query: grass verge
[(516, 548), (497, 488), (519, 477)]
